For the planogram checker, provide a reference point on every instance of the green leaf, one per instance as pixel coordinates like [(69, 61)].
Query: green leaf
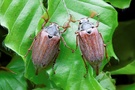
[(14, 79), (23, 18), (128, 69), (123, 41), (120, 3), (42, 79), (106, 78)]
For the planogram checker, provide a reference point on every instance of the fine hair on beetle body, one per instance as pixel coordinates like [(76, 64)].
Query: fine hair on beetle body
[(91, 43), (45, 47)]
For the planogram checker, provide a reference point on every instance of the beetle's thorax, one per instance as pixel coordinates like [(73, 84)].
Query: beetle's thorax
[(85, 25), (52, 30)]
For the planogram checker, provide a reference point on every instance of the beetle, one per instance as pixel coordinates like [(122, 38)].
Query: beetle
[(45, 47), (91, 44)]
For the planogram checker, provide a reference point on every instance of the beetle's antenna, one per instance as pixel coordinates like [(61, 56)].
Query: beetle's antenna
[(93, 14)]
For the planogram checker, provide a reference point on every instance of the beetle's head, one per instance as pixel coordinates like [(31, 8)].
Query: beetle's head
[(52, 30), (85, 25)]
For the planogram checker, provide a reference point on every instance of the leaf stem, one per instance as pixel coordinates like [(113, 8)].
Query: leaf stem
[(65, 6)]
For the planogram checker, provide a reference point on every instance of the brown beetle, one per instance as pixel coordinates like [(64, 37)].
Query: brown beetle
[(91, 44), (45, 47)]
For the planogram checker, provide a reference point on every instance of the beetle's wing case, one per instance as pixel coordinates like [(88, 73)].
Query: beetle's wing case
[(91, 45), (46, 47)]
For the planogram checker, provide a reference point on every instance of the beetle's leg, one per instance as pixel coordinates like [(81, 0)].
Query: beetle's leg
[(106, 54), (71, 19), (45, 21), (85, 66), (97, 69), (105, 47), (77, 39), (67, 24), (29, 48), (66, 44), (31, 45), (54, 60), (97, 24), (37, 70)]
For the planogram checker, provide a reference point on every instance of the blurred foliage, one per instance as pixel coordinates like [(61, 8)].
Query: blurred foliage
[(120, 3)]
